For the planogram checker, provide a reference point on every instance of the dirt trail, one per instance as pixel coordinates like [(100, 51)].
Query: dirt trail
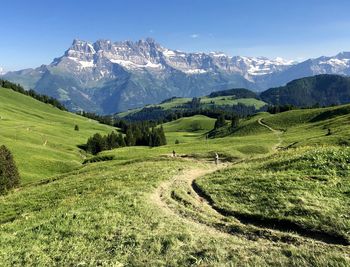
[(281, 226), (189, 176), (276, 132)]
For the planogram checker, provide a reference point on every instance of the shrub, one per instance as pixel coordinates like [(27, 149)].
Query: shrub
[(177, 142), (9, 176), (76, 127)]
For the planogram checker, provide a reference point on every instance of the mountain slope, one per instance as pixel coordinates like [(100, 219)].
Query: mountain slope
[(41, 137), (107, 77), (338, 64), (324, 90)]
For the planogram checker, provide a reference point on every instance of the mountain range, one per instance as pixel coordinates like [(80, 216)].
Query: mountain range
[(108, 77)]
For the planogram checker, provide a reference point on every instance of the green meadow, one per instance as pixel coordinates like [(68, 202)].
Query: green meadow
[(205, 102), (42, 138), (278, 197)]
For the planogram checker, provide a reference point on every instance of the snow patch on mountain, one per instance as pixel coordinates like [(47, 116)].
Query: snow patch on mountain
[(132, 65), (334, 62), (2, 71), (86, 64), (169, 53), (195, 71)]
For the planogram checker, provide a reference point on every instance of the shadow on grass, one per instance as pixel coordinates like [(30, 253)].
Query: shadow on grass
[(283, 225)]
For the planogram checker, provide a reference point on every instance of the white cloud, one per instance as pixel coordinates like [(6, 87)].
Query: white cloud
[(194, 35)]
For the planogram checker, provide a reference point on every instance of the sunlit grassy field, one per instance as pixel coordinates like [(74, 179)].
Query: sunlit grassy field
[(41, 137), (142, 209)]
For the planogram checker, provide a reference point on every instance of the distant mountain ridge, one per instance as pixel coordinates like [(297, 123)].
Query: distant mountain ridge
[(108, 77), (323, 90)]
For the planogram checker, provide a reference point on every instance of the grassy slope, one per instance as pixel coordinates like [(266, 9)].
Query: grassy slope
[(306, 185), (314, 125), (188, 129), (41, 137), (102, 214), (222, 101)]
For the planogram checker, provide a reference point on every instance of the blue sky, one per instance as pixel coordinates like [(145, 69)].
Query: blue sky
[(33, 32)]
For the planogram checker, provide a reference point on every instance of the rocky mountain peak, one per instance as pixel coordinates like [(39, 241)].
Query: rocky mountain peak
[(343, 55), (107, 76)]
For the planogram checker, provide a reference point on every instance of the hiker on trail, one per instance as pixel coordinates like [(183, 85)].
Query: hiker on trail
[(174, 153), (216, 158)]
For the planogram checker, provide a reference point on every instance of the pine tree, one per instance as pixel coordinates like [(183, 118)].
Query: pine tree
[(129, 138), (121, 141), (112, 140), (162, 136), (157, 137), (220, 121), (9, 176), (234, 121), (96, 144)]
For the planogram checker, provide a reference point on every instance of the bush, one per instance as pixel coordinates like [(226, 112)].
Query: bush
[(9, 176), (177, 142), (76, 127)]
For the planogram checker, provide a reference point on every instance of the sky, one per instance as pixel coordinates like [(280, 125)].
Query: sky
[(34, 32)]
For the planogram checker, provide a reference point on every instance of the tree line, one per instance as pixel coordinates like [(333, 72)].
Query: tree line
[(280, 108), (274, 109), (221, 121), (42, 98), (157, 115), (137, 134), (160, 115)]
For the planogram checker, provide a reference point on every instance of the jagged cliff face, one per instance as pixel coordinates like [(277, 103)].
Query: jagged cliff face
[(146, 55), (107, 76)]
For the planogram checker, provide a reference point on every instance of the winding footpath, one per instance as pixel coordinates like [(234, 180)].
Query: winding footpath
[(188, 176), (276, 132), (280, 226)]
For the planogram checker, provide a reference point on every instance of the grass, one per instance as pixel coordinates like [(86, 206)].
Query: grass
[(103, 213), (188, 129), (306, 186), (41, 137), (310, 127), (100, 216)]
